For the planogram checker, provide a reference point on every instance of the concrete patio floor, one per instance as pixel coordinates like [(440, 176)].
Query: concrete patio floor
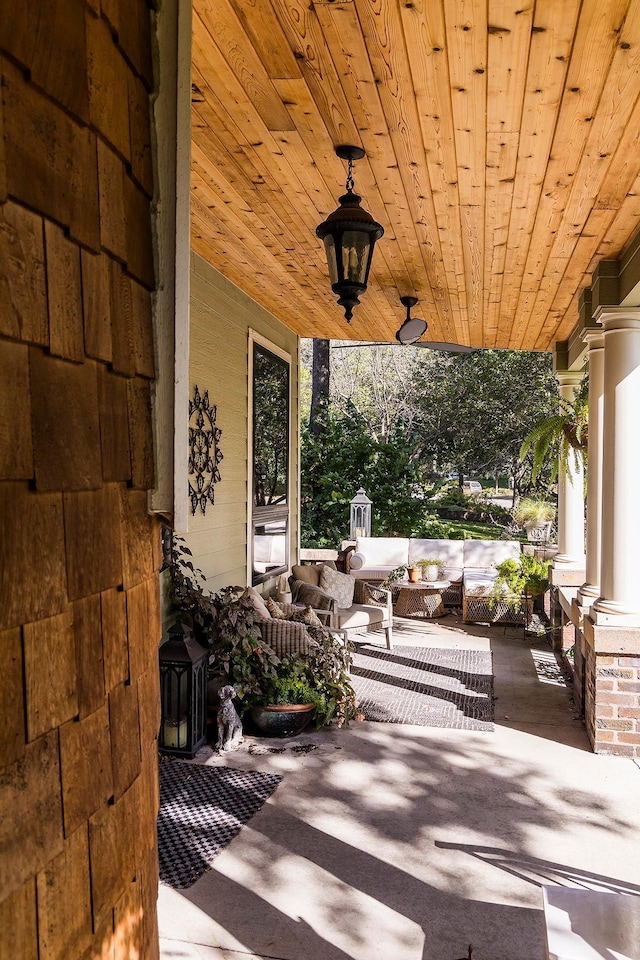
[(398, 842)]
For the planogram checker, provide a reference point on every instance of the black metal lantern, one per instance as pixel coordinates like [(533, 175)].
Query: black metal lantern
[(349, 235), (183, 692), (412, 328)]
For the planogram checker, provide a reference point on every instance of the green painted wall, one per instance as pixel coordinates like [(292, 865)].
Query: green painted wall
[(221, 316)]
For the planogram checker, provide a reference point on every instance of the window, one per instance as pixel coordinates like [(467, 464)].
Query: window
[(269, 547)]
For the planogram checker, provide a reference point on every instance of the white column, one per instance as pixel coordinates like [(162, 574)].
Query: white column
[(620, 537), (570, 492), (590, 589)]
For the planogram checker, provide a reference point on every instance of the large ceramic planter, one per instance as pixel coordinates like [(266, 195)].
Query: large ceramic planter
[(282, 720), (431, 573), (538, 531)]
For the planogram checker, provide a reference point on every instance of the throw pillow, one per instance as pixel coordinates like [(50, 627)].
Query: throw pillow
[(307, 616), (314, 596), (259, 605), (310, 572), (275, 609), (306, 573), (338, 585)]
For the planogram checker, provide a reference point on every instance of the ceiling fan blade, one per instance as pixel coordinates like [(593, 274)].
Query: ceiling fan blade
[(430, 345), (448, 347)]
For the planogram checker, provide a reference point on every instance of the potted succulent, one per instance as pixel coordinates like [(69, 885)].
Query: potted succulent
[(430, 569), (536, 516)]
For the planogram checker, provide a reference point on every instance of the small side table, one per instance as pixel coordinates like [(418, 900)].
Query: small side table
[(422, 599)]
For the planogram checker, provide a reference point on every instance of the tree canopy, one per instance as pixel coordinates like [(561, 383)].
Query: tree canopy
[(398, 418)]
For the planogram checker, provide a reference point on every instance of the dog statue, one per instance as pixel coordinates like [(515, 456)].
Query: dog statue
[(229, 725)]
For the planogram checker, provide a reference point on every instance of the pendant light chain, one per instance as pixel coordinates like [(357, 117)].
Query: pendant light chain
[(350, 182)]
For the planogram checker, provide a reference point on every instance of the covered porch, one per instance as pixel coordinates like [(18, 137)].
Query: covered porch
[(163, 169), (387, 839)]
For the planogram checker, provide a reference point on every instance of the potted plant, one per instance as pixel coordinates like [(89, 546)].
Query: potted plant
[(430, 569), (227, 623), (526, 578), (414, 573), (536, 516), (565, 434), (394, 577), (237, 652), (185, 589), (288, 702)]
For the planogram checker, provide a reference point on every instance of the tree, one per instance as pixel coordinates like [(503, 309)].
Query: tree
[(320, 384), (376, 380), (345, 458), (476, 409)]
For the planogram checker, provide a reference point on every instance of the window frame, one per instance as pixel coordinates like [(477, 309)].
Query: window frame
[(259, 516)]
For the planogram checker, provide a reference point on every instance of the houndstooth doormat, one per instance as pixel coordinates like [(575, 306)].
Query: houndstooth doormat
[(201, 811), (427, 686)]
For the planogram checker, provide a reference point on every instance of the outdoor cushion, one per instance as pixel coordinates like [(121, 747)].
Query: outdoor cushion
[(259, 605), (310, 573), (489, 553), (383, 551), (479, 583), (373, 573), (339, 585), (275, 609), (361, 615), (448, 552), (306, 593)]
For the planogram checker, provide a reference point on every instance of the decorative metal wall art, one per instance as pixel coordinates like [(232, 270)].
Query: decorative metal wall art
[(204, 454)]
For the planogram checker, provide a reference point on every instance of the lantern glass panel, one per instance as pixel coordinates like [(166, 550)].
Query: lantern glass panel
[(175, 703), (355, 255), (330, 251)]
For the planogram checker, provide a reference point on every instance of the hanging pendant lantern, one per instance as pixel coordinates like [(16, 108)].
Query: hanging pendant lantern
[(349, 235)]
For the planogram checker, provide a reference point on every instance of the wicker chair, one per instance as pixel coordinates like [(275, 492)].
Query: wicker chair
[(371, 610), (287, 637)]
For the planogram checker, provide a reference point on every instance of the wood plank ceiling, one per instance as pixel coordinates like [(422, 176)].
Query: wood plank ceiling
[(502, 141)]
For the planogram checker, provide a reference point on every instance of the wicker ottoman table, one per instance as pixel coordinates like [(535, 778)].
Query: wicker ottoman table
[(422, 599)]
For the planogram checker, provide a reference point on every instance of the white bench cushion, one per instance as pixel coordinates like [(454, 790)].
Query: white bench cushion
[(372, 573), (449, 552), (453, 574), (478, 583), (382, 551), (489, 553)]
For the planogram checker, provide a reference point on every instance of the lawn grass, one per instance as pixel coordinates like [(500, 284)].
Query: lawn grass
[(470, 530)]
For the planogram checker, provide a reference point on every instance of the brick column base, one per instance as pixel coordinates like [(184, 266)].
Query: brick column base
[(609, 660), (563, 632), (558, 619)]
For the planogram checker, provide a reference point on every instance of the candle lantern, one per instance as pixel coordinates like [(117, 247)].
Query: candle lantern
[(183, 692), (360, 525)]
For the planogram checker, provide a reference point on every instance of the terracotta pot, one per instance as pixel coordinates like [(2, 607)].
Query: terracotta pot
[(414, 574), (282, 720)]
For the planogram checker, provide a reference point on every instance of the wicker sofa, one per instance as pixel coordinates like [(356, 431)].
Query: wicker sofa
[(469, 565)]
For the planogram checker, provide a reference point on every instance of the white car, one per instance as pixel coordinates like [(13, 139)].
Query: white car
[(472, 487)]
